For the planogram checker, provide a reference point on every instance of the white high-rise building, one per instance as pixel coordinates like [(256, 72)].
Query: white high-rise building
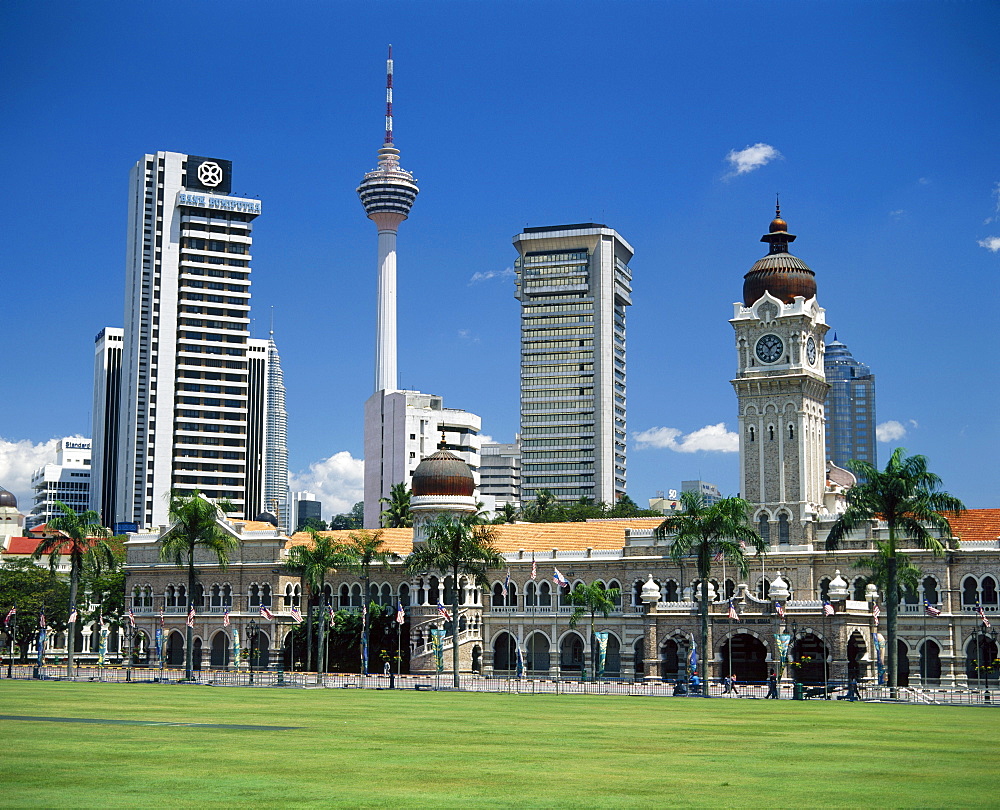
[(184, 405), (107, 422), (573, 282), (67, 480), (267, 434), (500, 472)]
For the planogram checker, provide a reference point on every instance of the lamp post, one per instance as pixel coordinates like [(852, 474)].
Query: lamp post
[(871, 597), (983, 637), (12, 632), (779, 592), (129, 637), (252, 633), (838, 592)]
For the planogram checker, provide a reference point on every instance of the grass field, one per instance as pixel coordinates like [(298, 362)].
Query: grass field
[(430, 749)]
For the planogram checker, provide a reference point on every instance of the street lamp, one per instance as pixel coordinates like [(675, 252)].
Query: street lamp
[(252, 632), (12, 631), (129, 636)]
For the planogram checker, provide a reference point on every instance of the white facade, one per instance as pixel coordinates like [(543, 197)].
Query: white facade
[(187, 316), (267, 434), (574, 283), (107, 422), (303, 505), (401, 428), (67, 480), (500, 472)]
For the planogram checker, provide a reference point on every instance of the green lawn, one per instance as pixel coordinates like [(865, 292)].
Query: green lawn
[(424, 749)]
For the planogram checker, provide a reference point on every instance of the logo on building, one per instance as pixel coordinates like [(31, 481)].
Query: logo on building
[(210, 173)]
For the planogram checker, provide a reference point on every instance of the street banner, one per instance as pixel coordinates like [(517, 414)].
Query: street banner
[(784, 641), (41, 644), (102, 644), (880, 665), (236, 647), (437, 641), (158, 641), (602, 651)]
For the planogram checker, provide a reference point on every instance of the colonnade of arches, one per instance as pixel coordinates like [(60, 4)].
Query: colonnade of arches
[(540, 654)]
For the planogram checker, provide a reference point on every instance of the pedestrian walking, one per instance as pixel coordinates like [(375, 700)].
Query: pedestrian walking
[(772, 686), (727, 685), (732, 686)]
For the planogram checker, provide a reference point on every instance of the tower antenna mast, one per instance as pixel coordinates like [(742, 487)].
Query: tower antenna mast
[(388, 97)]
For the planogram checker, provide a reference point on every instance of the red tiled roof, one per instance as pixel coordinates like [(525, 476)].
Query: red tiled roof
[(976, 524), (23, 545)]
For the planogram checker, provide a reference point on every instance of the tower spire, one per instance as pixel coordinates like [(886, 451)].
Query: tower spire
[(388, 98)]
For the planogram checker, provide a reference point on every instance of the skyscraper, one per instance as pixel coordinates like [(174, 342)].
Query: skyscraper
[(500, 472), (185, 372), (850, 407), (106, 425), (573, 282), (267, 434), (67, 481)]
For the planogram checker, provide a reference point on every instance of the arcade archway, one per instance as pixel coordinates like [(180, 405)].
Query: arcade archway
[(745, 656)]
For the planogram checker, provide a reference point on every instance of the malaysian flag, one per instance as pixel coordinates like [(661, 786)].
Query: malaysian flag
[(779, 608), (161, 618), (72, 615), (506, 584), (982, 616), (225, 618), (930, 610), (400, 615), (11, 614), (296, 614), (559, 579), (732, 611), (876, 612), (717, 557), (827, 608), (190, 618), (41, 620), (444, 611), (131, 618), (267, 614), (534, 567), (329, 611)]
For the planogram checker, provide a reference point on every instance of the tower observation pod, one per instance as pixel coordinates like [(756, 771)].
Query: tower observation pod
[(387, 194)]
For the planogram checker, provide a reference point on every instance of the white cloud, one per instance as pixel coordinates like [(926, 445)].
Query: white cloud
[(753, 157), (891, 431), (923, 181), (991, 243), (897, 214), (711, 438), (506, 273), (338, 481), (18, 460)]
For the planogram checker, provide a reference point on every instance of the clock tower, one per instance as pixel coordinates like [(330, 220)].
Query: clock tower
[(781, 387)]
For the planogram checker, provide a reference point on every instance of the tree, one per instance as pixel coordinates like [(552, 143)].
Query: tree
[(32, 590), (506, 514), (704, 532), (312, 563), (355, 519), (197, 522), (78, 536), (104, 579), (363, 550), (593, 599), (312, 524), (905, 496), (907, 574), (397, 513), (457, 546)]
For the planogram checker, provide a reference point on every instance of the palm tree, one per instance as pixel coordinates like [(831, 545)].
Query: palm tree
[(506, 514), (196, 523), (706, 532), (312, 563), (80, 536), (905, 496), (593, 599), (362, 550), (397, 513), (457, 546), (907, 574)]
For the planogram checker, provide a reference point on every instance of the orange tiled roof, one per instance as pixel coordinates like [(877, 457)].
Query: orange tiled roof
[(23, 545), (976, 524), (511, 537), (253, 525)]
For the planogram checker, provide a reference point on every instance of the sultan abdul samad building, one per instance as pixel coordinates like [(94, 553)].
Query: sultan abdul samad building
[(780, 390)]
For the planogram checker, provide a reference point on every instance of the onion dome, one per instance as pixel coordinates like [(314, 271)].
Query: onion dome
[(650, 592), (266, 517), (7, 499), (443, 473), (838, 588), (780, 273), (779, 589)]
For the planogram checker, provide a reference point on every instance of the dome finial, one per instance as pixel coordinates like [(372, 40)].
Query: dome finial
[(777, 205), (443, 444)]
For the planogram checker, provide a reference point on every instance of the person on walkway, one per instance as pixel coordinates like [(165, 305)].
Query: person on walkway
[(852, 689), (695, 684), (727, 685), (772, 686), (732, 686)]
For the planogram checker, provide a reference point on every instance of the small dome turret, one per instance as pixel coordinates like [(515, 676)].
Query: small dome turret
[(443, 473), (7, 499), (780, 273)]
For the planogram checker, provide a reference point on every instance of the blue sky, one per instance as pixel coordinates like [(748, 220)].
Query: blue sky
[(876, 122)]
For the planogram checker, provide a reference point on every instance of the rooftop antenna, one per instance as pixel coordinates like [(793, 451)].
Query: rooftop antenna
[(388, 97)]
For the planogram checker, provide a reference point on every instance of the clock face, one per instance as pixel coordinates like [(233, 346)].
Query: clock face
[(811, 351), (769, 348)]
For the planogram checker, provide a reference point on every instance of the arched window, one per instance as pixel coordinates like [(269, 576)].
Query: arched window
[(170, 596), (297, 596), (544, 595), (136, 597), (265, 595), (216, 596), (386, 595), (497, 600), (637, 593), (764, 528), (770, 432), (970, 591), (616, 600), (288, 595), (752, 437), (910, 595), (669, 591), (791, 431), (356, 595), (182, 596), (254, 597), (199, 595), (227, 596), (824, 588), (930, 590), (345, 595), (432, 591), (404, 595), (763, 588), (858, 589), (783, 528), (530, 592), (988, 587), (729, 589), (512, 595)]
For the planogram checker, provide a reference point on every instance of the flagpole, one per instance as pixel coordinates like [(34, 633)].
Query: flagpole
[(923, 652)]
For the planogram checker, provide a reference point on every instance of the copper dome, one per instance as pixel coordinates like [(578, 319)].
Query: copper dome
[(443, 473), (780, 273), (7, 499)]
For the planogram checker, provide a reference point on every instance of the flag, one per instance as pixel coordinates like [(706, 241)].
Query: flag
[(694, 655), (329, 611), (41, 620), (876, 612), (11, 614), (161, 618), (267, 614), (236, 646), (506, 584), (534, 567), (444, 611), (982, 616), (400, 615), (520, 663), (930, 610), (602, 651), (827, 608), (190, 618), (717, 557), (102, 644), (158, 640), (225, 618), (131, 618), (437, 644), (732, 612), (296, 614), (72, 615), (779, 608), (559, 579)]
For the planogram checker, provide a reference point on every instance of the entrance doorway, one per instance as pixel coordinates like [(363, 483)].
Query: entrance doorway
[(748, 657)]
